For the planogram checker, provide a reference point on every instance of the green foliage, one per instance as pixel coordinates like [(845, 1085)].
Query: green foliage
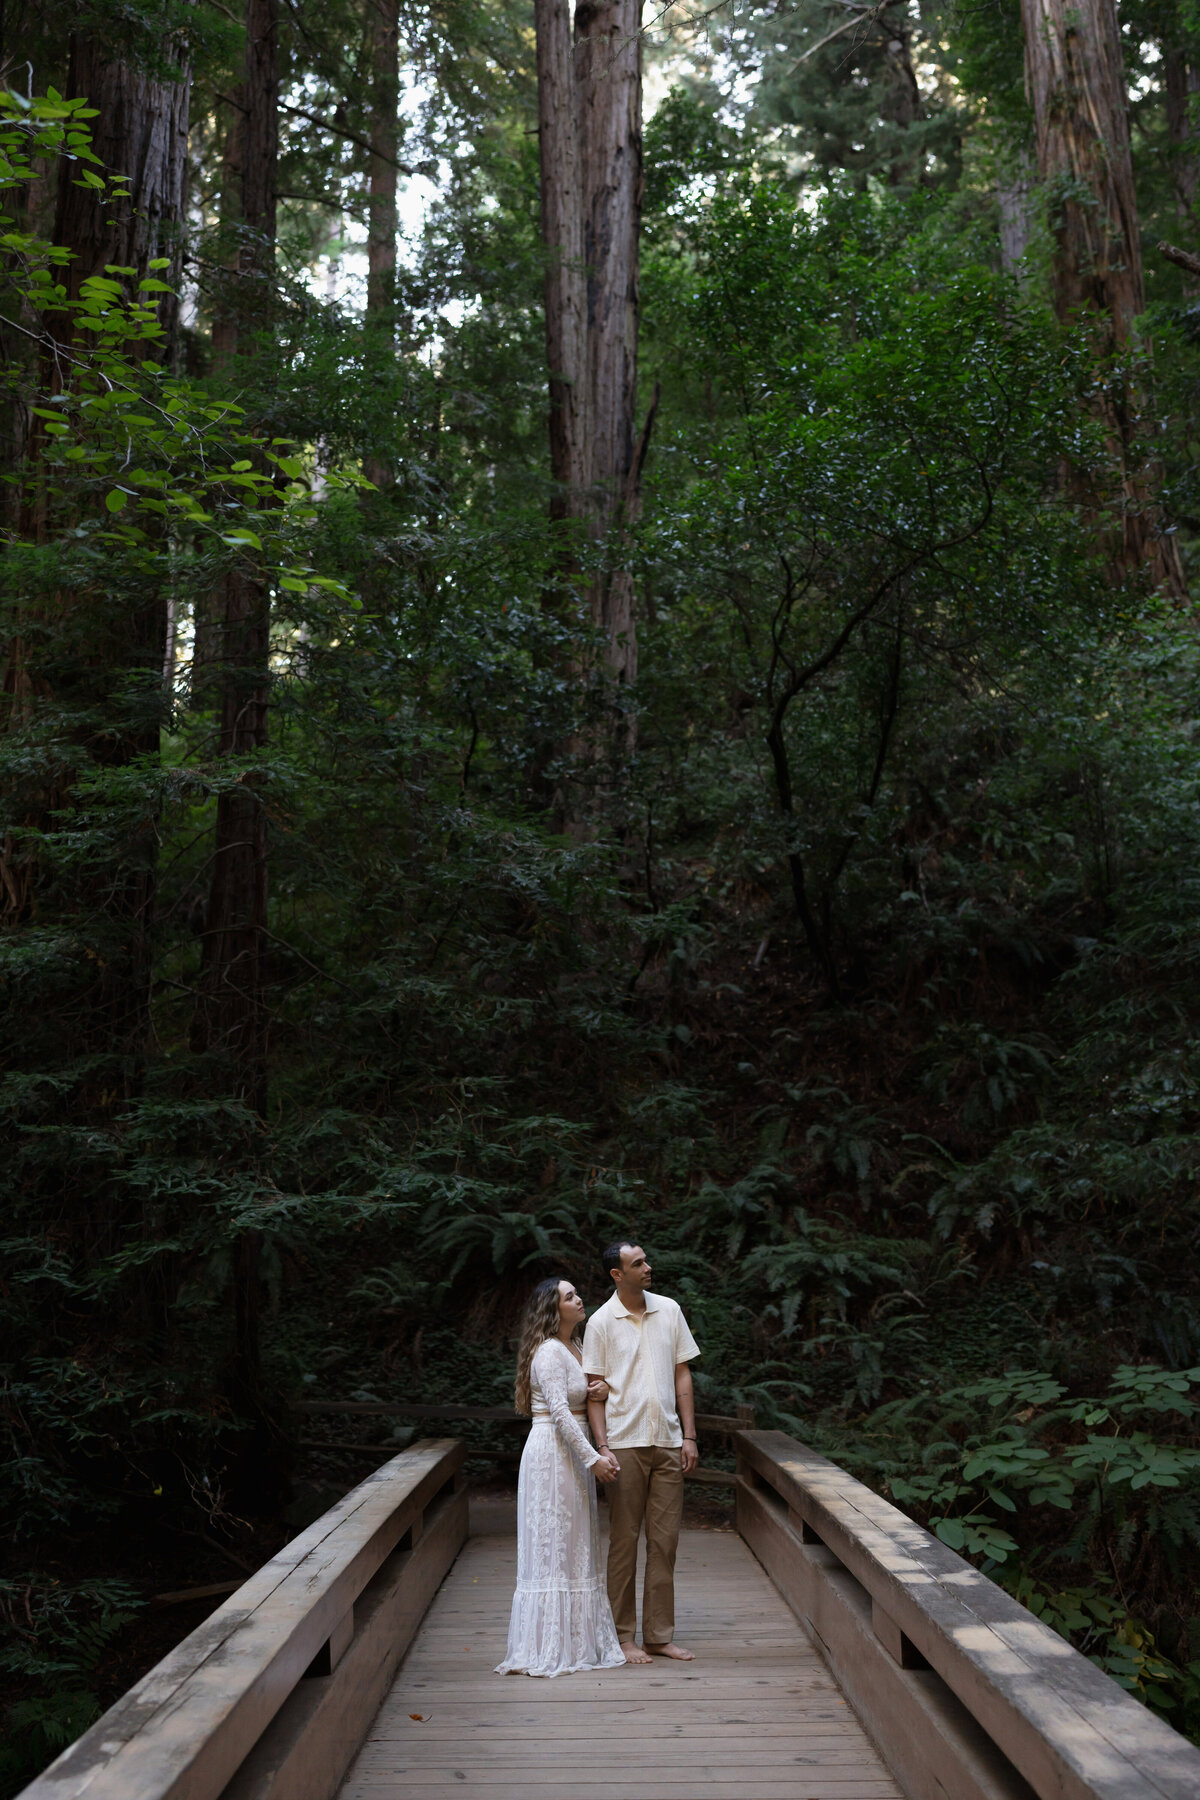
[(865, 994), (59, 1634)]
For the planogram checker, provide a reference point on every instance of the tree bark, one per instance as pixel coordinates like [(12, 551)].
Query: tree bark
[(1181, 82), (609, 74), (383, 49), (141, 132), (905, 101), (249, 184), (231, 1018), (231, 1013), (1075, 81), (1014, 197), (565, 279), (114, 670)]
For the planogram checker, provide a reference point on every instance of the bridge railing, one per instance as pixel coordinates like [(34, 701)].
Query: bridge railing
[(270, 1697), (967, 1695)]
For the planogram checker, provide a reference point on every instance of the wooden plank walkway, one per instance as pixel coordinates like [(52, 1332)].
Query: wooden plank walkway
[(757, 1716)]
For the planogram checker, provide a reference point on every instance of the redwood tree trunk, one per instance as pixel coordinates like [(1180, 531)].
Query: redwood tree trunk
[(231, 1015), (114, 670), (609, 74), (904, 103), (1181, 81), (565, 281), (141, 132), (1075, 80), (1075, 77), (1014, 197), (383, 48), (260, 125)]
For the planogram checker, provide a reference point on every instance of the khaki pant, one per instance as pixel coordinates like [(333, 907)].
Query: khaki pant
[(650, 1490)]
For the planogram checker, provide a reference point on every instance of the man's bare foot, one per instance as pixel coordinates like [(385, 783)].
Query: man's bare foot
[(674, 1651), (634, 1653)]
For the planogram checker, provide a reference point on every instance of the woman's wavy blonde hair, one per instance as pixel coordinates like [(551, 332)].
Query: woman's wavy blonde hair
[(539, 1321)]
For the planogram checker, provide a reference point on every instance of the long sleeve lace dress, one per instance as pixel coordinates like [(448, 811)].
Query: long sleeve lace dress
[(561, 1621)]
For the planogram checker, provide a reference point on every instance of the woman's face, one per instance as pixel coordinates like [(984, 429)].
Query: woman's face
[(570, 1306)]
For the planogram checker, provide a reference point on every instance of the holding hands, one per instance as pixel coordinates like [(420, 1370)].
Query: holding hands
[(607, 1468)]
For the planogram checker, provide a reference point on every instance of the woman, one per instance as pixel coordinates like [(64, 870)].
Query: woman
[(561, 1621)]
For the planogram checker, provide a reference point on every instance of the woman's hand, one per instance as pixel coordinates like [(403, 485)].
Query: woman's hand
[(598, 1388), (607, 1468)]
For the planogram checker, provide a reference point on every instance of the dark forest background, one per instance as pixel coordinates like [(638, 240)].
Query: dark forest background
[(383, 928)]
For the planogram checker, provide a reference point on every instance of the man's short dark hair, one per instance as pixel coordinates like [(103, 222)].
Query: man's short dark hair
[(612, 1254)]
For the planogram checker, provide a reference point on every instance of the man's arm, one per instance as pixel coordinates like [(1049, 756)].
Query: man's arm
[(598, 1423), (685, 1401)]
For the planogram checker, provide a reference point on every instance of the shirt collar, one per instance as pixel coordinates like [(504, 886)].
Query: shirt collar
[(623, 1312)]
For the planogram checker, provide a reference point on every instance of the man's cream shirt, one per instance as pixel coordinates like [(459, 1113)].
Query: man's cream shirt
[(637, 1354)]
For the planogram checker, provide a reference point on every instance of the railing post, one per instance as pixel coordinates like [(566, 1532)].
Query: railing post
[(802, 1528), (334, 1648), (898, 1645)]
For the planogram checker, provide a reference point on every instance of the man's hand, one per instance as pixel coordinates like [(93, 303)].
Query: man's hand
[(689, 1456), (607, 1468)]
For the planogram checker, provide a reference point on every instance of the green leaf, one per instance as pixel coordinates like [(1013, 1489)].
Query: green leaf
[(115, 500)]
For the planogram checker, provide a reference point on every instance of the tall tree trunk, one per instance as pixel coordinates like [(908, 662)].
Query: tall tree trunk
[(383, 49), (565, 280), (1014, 198), (609, 74), (116, 648), (228, 298), (141, 132), (260, 125), (231, 1014), (1075, 77), (1075, 80), (904, 105), (1181, 81)]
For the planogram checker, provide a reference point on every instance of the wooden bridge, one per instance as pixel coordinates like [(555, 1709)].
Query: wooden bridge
[(842, 1653)]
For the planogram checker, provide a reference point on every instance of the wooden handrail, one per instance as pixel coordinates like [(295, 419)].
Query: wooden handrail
[(964, 1690), (228, 1711)]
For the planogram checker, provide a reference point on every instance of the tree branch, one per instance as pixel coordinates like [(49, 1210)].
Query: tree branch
[(1183, 258), (351, 137)]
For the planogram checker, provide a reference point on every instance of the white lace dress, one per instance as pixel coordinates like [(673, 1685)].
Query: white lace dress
[(561, 1621)]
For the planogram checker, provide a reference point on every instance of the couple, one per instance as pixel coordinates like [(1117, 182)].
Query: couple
[(631, 1372)]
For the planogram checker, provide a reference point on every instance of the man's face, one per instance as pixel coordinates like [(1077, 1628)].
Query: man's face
[(635, 1270)]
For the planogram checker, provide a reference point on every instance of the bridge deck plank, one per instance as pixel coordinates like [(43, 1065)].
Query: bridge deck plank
[(757, 1716)]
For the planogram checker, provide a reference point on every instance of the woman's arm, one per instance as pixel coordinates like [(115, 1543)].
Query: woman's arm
[(550, 1370)]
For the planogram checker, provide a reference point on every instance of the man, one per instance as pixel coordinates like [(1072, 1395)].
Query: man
[(639, 1343)]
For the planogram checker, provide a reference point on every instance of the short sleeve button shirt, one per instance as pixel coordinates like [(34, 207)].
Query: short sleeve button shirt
[(636, 1354)]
